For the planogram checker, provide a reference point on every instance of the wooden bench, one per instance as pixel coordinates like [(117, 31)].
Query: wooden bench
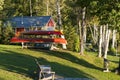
[(44, 72)]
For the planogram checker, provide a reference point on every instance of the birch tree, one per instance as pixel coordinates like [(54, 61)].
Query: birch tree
[(107, 42), (113, 38), (100, 43), (93, 25), (104, 38)]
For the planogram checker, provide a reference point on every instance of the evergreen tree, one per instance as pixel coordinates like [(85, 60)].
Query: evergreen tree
[(7, 33), (72, 38)]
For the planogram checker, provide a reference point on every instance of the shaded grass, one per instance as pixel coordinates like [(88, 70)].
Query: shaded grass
[(20, 62), (6, 75)]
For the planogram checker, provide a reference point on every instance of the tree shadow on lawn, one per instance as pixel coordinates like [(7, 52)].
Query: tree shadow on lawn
[(25, 64), (69, 57), (17, 62), (113, 57), (65, 71), (117, 61), (2, 79)]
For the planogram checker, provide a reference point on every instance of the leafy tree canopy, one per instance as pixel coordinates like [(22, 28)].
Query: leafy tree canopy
[(1, 4)]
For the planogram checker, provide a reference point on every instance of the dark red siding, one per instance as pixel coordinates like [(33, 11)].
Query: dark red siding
[(18, 31)]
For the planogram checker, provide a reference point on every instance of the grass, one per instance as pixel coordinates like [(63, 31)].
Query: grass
[(19, 64)]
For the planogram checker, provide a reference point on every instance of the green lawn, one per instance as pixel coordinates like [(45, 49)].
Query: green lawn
[(19, 64)]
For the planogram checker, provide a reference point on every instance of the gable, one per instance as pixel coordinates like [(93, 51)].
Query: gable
[(51, 23)]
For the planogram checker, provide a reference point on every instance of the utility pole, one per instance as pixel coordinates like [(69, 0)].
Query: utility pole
[(59, 15), (30, 9)]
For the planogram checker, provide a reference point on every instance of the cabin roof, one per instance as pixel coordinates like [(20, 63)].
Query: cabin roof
[(27, 21)]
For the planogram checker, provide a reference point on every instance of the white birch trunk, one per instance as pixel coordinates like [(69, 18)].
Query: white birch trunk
[(103, 38), (106, 33), (107, 43), (94, 30), (95, 33), (100, 43), (84, 25), (104, 30), (84, 34), (92, 33), (80, 32), (113, 38)]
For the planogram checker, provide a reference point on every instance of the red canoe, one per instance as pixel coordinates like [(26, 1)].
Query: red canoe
[(42, 32), (38, 40)]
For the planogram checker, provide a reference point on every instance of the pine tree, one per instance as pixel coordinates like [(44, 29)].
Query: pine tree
[(7, 33)]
